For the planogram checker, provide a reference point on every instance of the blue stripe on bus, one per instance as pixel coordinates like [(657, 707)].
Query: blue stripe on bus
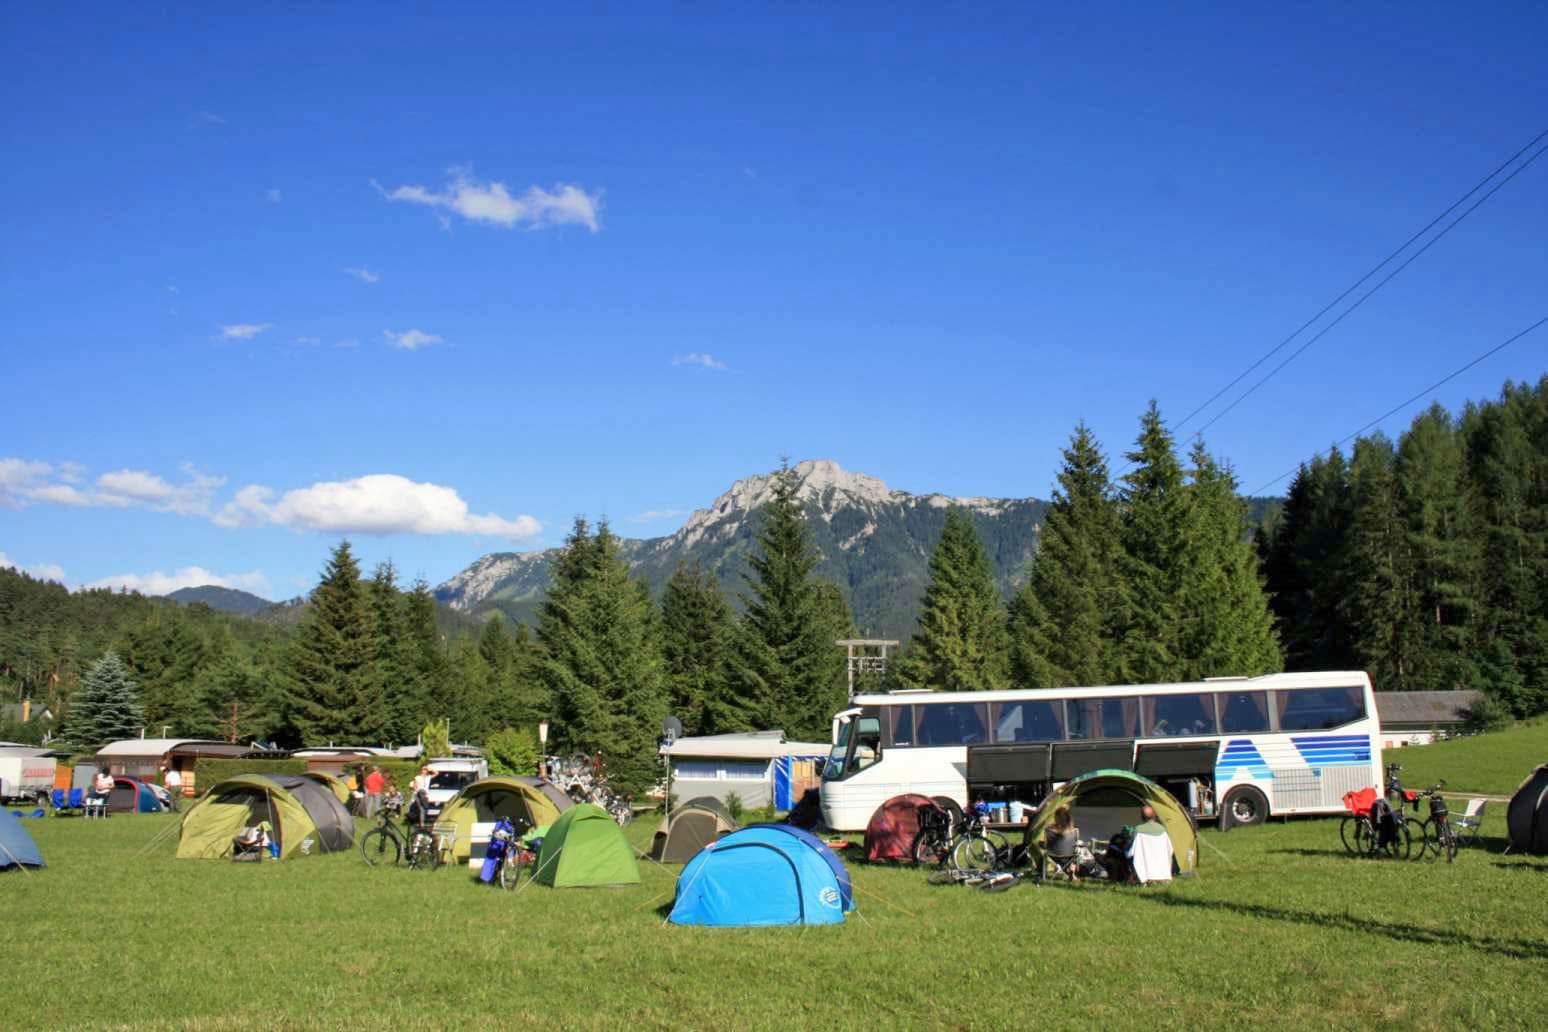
[(1240, 754)]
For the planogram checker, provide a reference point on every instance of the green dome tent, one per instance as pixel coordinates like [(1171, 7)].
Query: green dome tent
[(586, 847), (1103, 801), (486, 801), (331, 783), (304, 814)]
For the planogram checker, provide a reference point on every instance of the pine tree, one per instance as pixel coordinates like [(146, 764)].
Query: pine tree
[(1440, 536), (329, 675), (1229, 629), (1154, 534), (602, 658), (961, 644), (1066, 621), (1379, 603), (1307, 569), (107, 706), (238, 703), (429, 686), (695, 633), (395, 683), (785, 669)]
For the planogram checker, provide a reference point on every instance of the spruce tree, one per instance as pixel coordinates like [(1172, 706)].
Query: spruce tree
[(239, 704), (395, 684), (1379, 602), (695, 633), (330, 679), (1066, 621), (785, 670), (1154, 536), (961, 643), (429, 686), (602, 658), (1228, 628), (106, 706)]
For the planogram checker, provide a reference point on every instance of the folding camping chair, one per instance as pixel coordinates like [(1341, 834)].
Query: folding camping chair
[(1467, 825), (67, 802)]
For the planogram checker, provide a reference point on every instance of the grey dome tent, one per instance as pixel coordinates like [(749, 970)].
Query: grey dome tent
[(1526, 820), (689, 828)]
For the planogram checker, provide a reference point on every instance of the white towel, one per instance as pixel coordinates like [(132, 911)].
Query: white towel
[(1151, 856)]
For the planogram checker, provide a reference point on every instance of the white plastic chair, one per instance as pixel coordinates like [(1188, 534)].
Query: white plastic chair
[(1471, 820)]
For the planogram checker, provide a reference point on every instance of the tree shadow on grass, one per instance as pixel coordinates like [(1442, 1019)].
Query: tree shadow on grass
[(1340, 852), (1522, 865), (1523, 949)]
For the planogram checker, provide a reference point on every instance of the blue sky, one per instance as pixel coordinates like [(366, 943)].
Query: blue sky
[(442, 281)]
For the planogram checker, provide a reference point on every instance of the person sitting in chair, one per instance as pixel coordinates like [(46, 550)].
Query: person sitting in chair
[(1059, 843), (1150, 853), (251, 841)]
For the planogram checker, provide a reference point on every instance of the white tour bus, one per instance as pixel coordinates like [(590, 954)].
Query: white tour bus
[(1249, 747)]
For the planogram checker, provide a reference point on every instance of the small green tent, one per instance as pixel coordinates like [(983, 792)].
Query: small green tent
[(1103, 801), (304, 814), (585, 847)]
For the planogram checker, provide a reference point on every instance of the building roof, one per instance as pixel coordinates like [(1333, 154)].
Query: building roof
[(1424, 709), (182, 746), (752, 745)]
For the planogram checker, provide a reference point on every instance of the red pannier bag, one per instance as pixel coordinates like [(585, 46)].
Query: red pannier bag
[(1360, 803)]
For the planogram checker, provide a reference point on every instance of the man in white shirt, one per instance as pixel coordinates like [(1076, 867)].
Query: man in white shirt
[(172, 781), (1150, 854), (101, 788)]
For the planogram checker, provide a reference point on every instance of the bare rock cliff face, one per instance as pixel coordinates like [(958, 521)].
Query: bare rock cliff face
[(875, 543)]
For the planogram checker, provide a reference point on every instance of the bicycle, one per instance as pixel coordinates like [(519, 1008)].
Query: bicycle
[(1440, 834), (1367, 832), (386, 844), (515, 859), (976, 847), (1404, 798)]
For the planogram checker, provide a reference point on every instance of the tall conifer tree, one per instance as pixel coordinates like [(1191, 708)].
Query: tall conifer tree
[(695, 633), (961, 643), (1155, 529), (1066, 621), (106, 706), (329, 677)]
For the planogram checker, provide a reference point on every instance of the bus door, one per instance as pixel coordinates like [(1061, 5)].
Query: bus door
[(856, 743)]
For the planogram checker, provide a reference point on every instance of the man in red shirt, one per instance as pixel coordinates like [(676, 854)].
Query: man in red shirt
[(374, 783)]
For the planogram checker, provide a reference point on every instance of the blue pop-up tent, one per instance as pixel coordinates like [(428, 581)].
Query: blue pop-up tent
[(16, 845), (767, 874)]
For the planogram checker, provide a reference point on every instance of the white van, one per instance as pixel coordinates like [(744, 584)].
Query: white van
[(449, 775), (25, 777)]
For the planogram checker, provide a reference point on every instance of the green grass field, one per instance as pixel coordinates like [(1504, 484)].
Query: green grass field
[(1279, 930), (1492, 764)]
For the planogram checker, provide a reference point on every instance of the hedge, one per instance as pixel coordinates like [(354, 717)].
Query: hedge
[(209, 771)]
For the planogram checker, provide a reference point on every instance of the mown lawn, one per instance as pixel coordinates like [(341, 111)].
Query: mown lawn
[(1490, 764), (1279, 930)]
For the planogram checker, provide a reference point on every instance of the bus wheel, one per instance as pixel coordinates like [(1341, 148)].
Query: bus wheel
[(1246, 807)]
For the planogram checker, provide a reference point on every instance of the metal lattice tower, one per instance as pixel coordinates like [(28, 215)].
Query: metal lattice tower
[(866, 656)]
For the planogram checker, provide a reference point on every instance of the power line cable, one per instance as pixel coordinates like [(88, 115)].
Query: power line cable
[(1357, 283), (1409, 401), (1367, 295)]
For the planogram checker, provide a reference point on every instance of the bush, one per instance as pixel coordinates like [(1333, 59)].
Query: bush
[(734, 806), (1487, 714), (512, 752)]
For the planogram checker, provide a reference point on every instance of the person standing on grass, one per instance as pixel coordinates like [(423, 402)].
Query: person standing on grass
[(374, 783), (172, 781)]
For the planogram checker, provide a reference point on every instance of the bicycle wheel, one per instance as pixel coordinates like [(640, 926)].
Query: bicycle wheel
[(1349, 834), (1419, 835), (1364, 837), (511, 870), (381, 847), (1443, 840), (421, 851), (929, 849), (1400, 846), (974, 853)]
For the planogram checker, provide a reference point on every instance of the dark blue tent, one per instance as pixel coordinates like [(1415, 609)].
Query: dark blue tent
[(16, 845), (768, 874)]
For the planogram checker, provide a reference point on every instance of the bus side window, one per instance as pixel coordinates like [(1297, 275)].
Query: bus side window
[(1243, 712), (900, 725)]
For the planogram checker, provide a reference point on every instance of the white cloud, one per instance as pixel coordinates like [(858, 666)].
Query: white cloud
[(208, 118), (138, 488), (18, 477), (411, 340), (60, 494), (348, 342), (310, 342), (364, 275), (699, 358), (382, 503), (274, 196), (43, 571), (158, 583), (494, 204), (243, 331), (70, 472)]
